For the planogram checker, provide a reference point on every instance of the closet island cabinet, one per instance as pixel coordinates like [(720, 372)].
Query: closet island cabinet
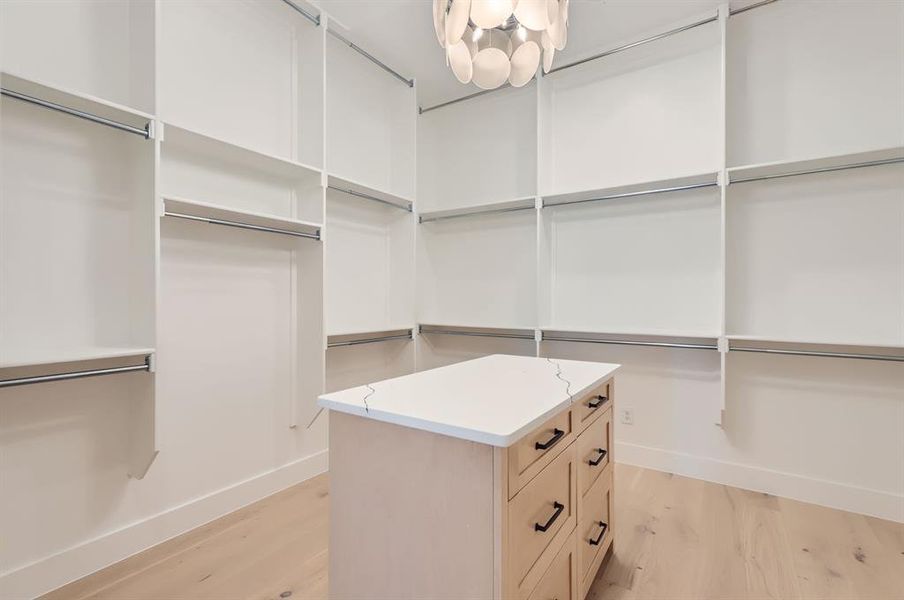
[(485, 479)]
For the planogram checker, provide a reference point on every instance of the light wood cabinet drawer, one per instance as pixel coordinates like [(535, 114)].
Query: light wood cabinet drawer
[(537, 449), (541, 516), (560, 582), (593, 449), (592, 405), (594, 533)]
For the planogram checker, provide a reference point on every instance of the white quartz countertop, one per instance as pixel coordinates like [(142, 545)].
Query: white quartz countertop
[(492, 400)]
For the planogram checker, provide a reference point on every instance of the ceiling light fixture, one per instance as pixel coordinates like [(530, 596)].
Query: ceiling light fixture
[(490, 42)]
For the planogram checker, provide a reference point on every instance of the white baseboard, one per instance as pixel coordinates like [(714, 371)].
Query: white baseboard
[(73, 563), (833, 494)]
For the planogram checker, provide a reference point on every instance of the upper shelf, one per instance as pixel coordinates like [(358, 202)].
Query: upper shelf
[(349, 186), (37, 357), (478, 209), (226, 215), (674, 184), (76, 101), (229, 152), (823, 164)]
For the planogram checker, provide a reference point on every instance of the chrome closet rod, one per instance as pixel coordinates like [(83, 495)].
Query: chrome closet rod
[(630, 343), (494, 211), (513, 336), (652, 38), (871, 163), (145, 133), (74, 375), (732, 12), (315, 19), (885, 357), (676, 188), (421, 111), (313, 236), (372, 340), (608, 52), (371, 57), (407, 207)]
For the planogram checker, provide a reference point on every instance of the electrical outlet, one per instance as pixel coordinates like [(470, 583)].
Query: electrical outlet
[(627, 416)]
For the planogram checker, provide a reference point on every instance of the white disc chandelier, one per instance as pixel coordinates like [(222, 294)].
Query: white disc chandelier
[(490, 42)]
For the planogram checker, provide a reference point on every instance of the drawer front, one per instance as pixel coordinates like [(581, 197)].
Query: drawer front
[(594, 449), (537, 449), (560, 582), (540, 517), (593, 404), (595, 529)]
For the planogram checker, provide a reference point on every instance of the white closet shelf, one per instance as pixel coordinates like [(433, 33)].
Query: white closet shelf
[(522, 333), (821, 349), (659, 186), (49, 356), (74, 100), (232, 153), (216, 212), (478, 209), (836, 162), (335, 340), (695, 340), (767, 339), (360, 190)]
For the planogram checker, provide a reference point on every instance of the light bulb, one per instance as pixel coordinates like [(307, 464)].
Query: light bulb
[(477, 34), (522, 33)]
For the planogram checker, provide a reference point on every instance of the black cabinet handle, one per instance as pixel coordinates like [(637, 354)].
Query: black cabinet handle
[(556, 436), (559, 508), (597, 402), (596, 461), (599, 538)]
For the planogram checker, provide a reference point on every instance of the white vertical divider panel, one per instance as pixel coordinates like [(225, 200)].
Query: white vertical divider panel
[(543, 263), (724, 13), (309, 364)]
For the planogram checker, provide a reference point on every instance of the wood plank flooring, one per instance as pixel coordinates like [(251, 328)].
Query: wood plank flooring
[(676, 538)]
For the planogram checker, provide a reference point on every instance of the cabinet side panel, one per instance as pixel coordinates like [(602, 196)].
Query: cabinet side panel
[(411, 513)]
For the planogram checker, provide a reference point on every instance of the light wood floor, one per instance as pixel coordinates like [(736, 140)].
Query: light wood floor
[(675, 538)]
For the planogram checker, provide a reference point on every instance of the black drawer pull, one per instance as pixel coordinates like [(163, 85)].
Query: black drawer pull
[(559, 508), (556, 436), (597, 402), (599, 538), (599, 458)]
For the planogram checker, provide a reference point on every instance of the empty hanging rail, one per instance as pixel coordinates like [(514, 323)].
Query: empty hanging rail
[(239, 225), (76, 374), (624, 340), (582, 61), (388, 336), (145, 132)]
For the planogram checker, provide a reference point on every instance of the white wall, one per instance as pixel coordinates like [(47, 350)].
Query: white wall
[(234, 318), (225, 391), (803, 261)]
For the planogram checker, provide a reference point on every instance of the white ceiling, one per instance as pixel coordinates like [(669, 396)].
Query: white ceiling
[(400, 33)]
